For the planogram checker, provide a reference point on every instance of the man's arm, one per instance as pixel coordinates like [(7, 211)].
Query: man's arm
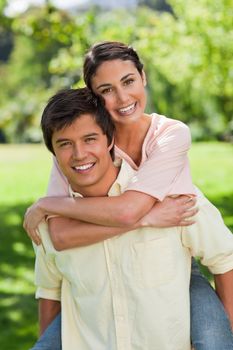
[(224, 289), (48, 281), (48, 310), (119, 211), (212, 241)]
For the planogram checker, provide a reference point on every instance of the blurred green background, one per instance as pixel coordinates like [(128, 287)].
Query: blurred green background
[(186, 47)]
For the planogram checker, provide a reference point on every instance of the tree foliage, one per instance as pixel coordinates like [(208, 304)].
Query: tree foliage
[(187, 55)]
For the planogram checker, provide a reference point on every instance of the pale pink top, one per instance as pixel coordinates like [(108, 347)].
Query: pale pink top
[(164, 168)]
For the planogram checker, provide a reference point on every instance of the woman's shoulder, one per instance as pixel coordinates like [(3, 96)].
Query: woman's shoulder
[(164, 128), (160, 121)]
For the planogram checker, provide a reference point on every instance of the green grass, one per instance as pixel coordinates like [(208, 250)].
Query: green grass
[(212, 169), (24, 175)]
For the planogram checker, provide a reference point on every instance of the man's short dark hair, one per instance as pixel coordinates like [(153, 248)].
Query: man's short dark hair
[(67, 105)]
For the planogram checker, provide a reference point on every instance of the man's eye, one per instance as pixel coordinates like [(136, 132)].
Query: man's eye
[(65, 144), (90, 139)]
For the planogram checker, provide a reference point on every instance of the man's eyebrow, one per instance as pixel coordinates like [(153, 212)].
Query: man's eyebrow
[(91, 134), (122, 79), (61, 140)]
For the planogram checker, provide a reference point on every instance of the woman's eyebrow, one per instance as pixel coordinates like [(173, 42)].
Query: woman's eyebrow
[(108, 84)]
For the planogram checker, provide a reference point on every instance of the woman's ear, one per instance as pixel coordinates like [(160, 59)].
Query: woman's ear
[(144, 81)]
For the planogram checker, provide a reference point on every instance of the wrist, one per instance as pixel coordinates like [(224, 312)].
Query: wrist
[(41, 206), (143, 222)]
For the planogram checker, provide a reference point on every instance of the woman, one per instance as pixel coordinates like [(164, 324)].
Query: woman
[(157, 147)]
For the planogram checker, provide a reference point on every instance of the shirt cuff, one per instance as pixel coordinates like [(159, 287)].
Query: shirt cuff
[(51, 294)]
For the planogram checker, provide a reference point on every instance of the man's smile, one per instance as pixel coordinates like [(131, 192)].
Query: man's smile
[(84, 167)]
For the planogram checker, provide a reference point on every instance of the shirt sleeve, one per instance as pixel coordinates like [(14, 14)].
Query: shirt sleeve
[(47, 277), (58, 184), (209, 238), (166, 169)]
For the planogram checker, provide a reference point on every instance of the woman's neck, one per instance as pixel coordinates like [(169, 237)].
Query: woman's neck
[(129, 138)]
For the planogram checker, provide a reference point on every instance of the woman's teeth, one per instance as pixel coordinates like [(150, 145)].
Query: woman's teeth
[(127, 109)]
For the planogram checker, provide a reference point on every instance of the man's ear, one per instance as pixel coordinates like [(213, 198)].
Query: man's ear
[(144, 81), (111, 144)]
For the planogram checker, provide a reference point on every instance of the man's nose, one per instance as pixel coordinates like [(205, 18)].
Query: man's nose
[(79, 152)]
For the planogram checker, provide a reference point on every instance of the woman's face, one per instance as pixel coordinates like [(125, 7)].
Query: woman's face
[(123, 89)]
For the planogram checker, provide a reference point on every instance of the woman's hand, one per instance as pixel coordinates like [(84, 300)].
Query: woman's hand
[(33, 216), (171, 211)]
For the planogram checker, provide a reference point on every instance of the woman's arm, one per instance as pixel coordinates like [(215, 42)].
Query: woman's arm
[(164, 171), (68, 233), (169, 148), (120, 211)]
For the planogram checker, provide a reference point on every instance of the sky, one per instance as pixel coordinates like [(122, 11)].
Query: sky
[(19, 6)]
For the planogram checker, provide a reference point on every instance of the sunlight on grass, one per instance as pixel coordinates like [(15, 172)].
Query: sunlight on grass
[(212, 167), (19, 248), (24, 169), (19, 280)]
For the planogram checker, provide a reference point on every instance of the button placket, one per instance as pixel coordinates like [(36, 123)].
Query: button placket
[(118, 296)]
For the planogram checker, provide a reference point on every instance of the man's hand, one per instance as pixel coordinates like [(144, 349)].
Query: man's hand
[(33, 216), (171, 212)]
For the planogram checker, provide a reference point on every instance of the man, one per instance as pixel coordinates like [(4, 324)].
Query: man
[(130, 291)]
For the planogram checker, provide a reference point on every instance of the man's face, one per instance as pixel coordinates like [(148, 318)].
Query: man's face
[(82, 152)]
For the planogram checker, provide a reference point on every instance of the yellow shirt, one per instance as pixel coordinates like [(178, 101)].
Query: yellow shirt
[(131, 292)]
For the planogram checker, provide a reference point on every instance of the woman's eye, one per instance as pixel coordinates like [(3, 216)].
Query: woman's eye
[(106, 91), (128, 81)]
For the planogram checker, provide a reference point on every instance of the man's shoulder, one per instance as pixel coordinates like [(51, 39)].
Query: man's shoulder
[(124, 176)]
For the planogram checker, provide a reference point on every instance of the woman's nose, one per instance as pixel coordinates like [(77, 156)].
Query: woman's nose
[(122, 96)]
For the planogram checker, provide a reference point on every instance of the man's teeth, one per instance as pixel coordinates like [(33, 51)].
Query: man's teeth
[(84, 167), (126, 109)]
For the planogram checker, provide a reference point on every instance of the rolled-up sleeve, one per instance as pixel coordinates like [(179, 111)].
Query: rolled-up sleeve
[(166, 169), (209, 238), (47, 277)]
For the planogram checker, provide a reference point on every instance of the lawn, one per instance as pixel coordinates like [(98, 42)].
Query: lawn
[(24, 175)]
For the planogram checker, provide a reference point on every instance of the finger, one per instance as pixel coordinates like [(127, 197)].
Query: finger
[(34, 237), (187, 200), (189, 205), (189, 213), (187, 222), (39, 240)]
